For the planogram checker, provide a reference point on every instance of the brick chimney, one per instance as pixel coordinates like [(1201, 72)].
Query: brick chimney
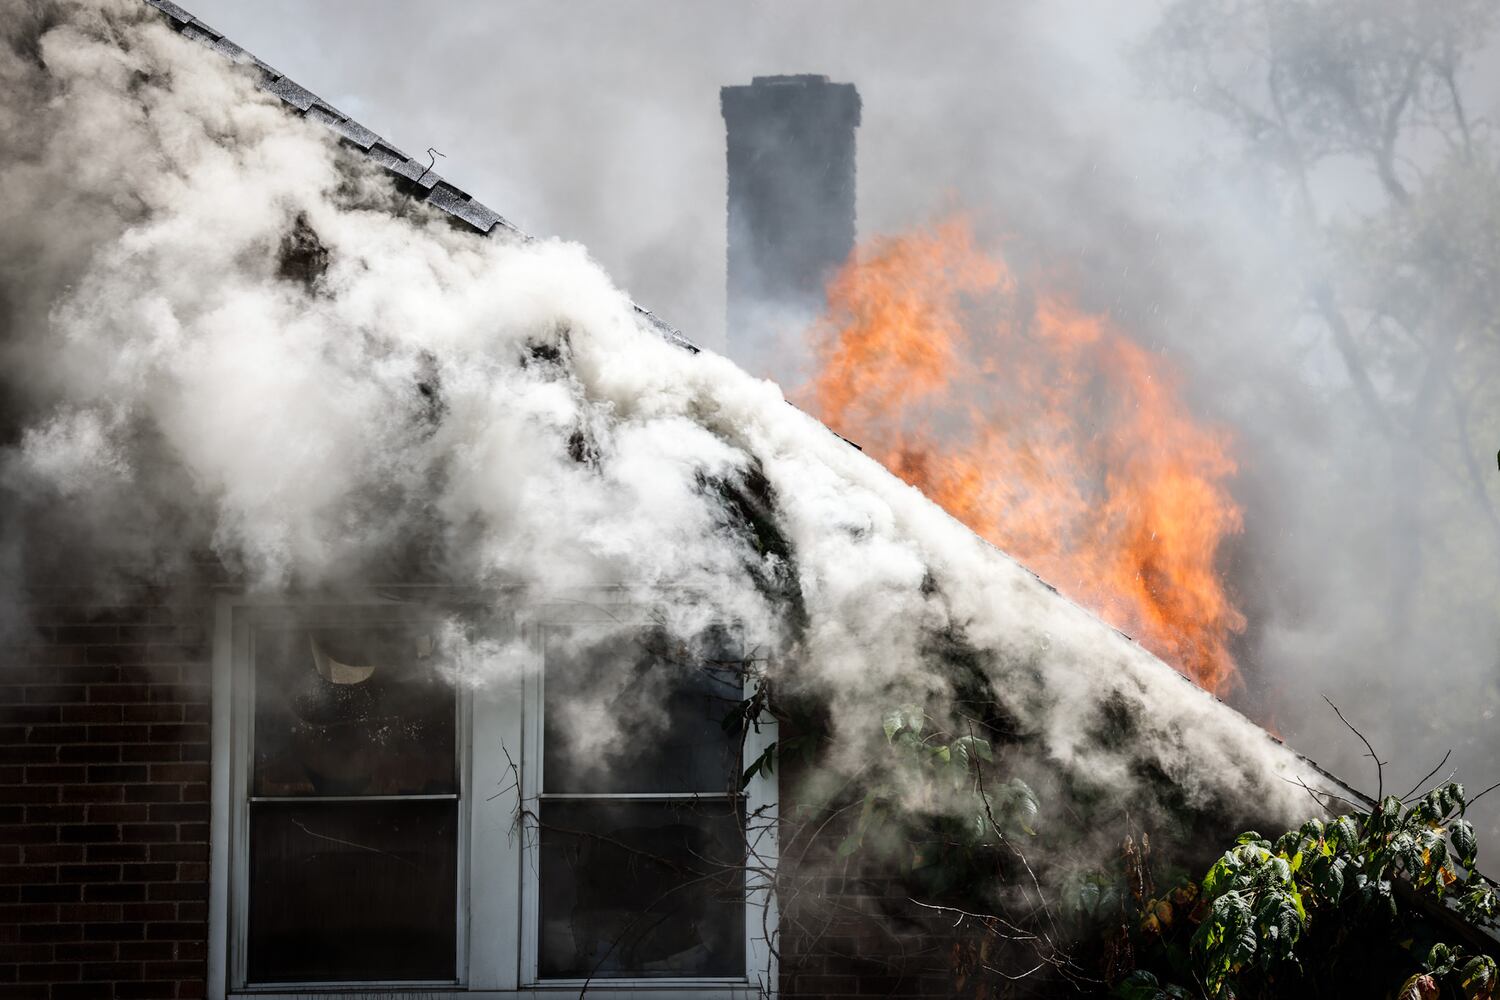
[(791, 211)]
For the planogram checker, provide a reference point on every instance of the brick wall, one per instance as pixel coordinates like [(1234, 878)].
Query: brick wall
[(104, 811), (847, 927)]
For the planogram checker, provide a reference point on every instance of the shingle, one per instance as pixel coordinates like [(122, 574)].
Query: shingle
[(225, 47), (460, 205), (384, 155), (170, 9), (322, 117), (291, 92), (419, 173), (198, 34), (199, 23), (346, 127)]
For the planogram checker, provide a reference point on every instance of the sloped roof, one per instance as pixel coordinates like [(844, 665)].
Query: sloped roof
[(425, 184), (416, 177)]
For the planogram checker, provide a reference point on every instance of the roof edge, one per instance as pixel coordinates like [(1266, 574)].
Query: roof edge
[(414, 177)]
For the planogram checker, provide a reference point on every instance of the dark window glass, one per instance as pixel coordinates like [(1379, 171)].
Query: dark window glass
[(356, 710), (641, 889), (347, 891), (662, 704)]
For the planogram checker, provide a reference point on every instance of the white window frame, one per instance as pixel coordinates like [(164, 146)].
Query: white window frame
[(497, 891)]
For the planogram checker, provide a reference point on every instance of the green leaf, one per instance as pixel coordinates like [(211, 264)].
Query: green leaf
[(892, 722), (1464, 841), (1477, 977), (1139, 985)]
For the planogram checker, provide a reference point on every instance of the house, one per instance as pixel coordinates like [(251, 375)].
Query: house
[(393, 608)]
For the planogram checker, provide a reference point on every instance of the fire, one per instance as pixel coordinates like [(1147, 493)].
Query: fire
[(1045, 429)]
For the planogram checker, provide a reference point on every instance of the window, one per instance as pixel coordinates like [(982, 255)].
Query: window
[(384, 824)]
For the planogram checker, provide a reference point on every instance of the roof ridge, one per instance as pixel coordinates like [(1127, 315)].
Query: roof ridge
[(416, 178)]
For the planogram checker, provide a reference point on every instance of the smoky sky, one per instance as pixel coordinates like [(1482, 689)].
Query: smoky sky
[(600, 122)]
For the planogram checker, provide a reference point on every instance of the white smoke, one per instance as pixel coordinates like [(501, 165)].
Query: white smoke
[(496, 402)]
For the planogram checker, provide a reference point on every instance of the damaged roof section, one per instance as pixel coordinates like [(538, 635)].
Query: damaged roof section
[(415, 177)]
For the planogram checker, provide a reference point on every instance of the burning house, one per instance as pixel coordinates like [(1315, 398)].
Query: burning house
[(395, 609)]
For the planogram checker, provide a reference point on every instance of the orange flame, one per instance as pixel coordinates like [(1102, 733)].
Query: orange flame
[(1046, 430)]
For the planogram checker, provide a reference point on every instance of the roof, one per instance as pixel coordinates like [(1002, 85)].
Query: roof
[(415, 177)]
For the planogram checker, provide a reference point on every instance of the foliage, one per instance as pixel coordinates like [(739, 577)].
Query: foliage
[(1319, 911)]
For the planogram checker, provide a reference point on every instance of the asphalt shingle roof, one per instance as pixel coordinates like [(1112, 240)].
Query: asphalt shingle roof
[(419, 178)]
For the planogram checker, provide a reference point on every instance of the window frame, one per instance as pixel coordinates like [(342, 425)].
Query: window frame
[(497, 899)]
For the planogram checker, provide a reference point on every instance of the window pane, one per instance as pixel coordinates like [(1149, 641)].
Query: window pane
[(351, 710), (636, 712), (352, 891), (641, 889)]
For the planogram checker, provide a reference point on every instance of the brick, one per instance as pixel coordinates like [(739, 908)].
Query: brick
[(89, 753), (89, 912), (55, 694), (117, 852), (93, 793), (100, 971), (172, 970), (179, 733), (115, 812), (115, 892), (89, 833), (192, 910), (161, 911), (70, 813), (50, 932), (91, 713), (88, 873), (86, 951), (177, 812), (153, 793), (56, 734), (37, 854), (123, 733), (178, 890), (51, 892), (118, 773), (117, 693), (27, 833), (146, 951), (52, 972), (150, 753), (119, 931), (179, 772), (179, 852), (28, 753), (29, 913), (151, 712), (148, 872)]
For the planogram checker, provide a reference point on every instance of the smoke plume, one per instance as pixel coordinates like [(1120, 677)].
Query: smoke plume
[(226, 334)]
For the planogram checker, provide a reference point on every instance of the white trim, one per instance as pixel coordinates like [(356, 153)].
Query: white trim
[(221, 701)]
